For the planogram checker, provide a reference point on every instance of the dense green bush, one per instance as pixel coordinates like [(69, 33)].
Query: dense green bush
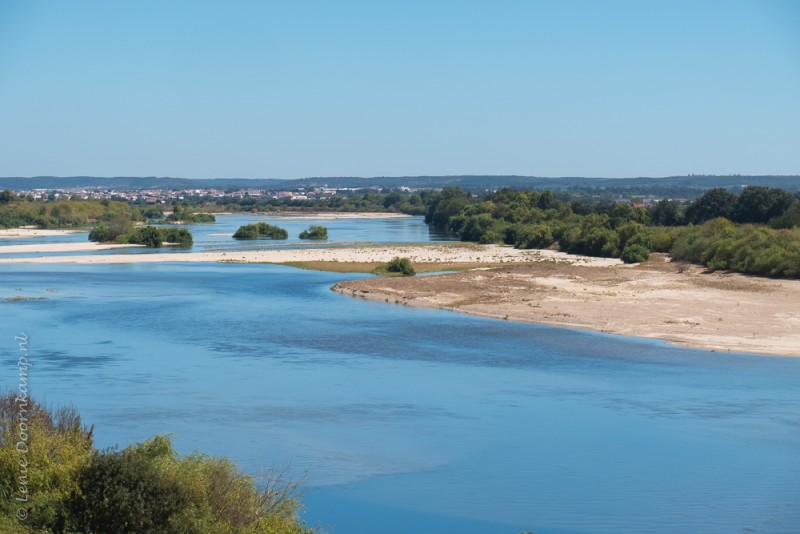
[(401, 266), (144, 489), (315, 232), (150, 236), (127, 492), (177, 236), (260, 230), (57, 448), (635, 254), (750, 249), (664, 238)]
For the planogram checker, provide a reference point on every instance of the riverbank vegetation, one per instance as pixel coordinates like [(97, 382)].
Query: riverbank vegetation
[(761, 239), (755, 232), (18, 211), (54, 481), (358, 201)]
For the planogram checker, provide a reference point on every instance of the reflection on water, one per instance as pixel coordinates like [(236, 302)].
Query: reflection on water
[(410, 420)]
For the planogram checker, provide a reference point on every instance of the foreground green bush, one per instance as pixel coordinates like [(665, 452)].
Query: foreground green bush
[(143, 489), (55, 446), (260, 230)]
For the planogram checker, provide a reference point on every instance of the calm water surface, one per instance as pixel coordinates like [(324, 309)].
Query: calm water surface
[(216, 237), (409, 420)]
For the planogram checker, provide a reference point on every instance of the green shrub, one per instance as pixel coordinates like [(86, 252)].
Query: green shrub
[(204, 218), (260, 230), (152, 236), (402, 266), (178, 236), (635, 254), (127, 492), (750, 249), (149, 236), (315, 232), (533, 236), (143, 489), (59, 446), (663, 238), (634, 233)]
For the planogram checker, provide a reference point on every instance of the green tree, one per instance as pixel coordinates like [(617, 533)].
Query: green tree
[(714, 203), (789, 219), (665, 213), (759, 204), (444, 205)]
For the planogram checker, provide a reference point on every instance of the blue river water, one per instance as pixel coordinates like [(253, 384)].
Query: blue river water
[(216, 237), (412, 420)]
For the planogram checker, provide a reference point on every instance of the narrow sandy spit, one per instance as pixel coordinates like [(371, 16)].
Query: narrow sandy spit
[(336, 215), (661, 300), (448, 253), (57, 247), (10, 233)]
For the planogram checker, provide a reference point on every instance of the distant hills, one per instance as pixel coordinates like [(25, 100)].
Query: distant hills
[(469, 182)]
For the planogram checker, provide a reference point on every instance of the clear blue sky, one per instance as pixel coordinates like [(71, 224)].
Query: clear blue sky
[(269, 89)]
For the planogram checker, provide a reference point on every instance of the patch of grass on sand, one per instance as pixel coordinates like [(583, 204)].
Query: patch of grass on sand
[(335, 266)]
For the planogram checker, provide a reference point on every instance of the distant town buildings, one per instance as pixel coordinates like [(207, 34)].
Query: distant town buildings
[(163, 196)]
